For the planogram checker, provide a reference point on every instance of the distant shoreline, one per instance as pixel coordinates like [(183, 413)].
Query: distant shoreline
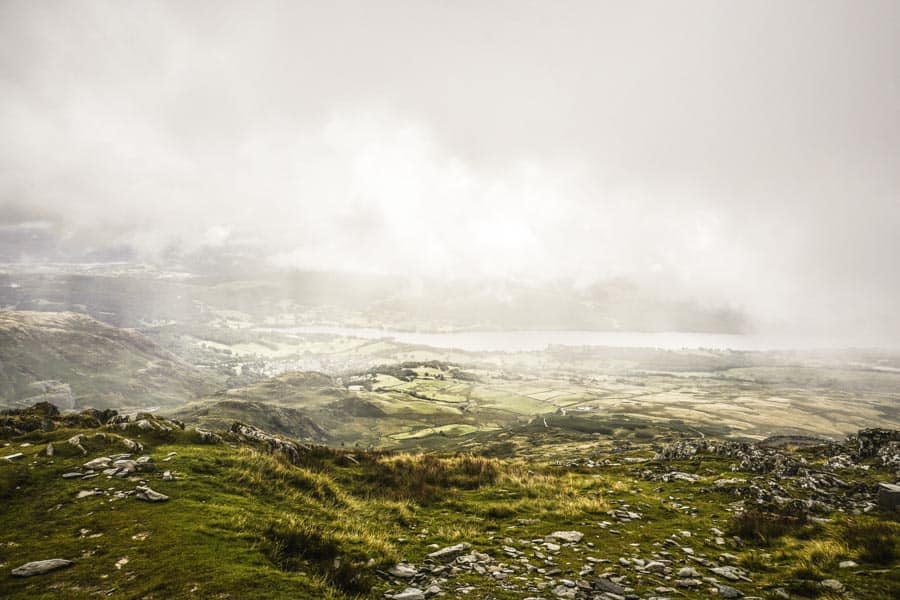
[(540, 340)]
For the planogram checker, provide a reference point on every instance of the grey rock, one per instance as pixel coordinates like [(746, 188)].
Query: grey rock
[(143, 492), (449, 553), (726, 591), (14, 456), (832, 585), (101, 462), (410, 593), (40, 567), (132, 445), (71, 475), (562, 591), (403, 571), (567, 536), (76, 440), (605, 585), (732, 573), (655, 567)]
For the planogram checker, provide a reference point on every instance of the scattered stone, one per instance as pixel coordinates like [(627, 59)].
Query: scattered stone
[(76, 440), (832, 585), (567, 536), (726, 591), (40, 567), (410, 593), (403, 570), (132, 445), (14, 456), (142, 492), (847, 564), (732, 573), (72, 475), (605, 585), (98, 463), (655, 566), (449, 553)]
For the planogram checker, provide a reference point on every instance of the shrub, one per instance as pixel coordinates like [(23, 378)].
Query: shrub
[(766, 526), (875, 540), (341, 557), (11, 476), (424, 477)]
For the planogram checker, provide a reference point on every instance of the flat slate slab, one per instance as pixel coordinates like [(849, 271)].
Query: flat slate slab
[(39, 567)]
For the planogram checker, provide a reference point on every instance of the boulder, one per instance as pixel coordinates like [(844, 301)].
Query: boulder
[(39, 567), (888, 497)]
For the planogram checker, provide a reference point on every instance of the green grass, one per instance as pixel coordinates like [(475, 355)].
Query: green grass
[(245, 524)]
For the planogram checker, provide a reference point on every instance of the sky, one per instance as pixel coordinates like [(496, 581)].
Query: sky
[(739, 154)]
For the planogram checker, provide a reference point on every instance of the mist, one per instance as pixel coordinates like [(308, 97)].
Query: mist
[(741, 156)]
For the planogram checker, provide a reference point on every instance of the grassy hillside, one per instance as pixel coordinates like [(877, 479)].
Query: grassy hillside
[(250, 515), (442, 405), (48, 356)]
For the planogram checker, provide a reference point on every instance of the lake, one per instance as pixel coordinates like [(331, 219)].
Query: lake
[(529, 341)]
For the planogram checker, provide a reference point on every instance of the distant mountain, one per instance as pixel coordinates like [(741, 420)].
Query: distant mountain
[(75, 361), (137, 295)]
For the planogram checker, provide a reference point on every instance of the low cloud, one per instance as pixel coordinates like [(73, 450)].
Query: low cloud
[(755, 181)]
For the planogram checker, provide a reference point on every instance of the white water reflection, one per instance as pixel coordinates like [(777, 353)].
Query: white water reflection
[(528, 341)]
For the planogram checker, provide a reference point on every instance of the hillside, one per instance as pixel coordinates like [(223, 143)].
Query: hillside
[(220, 414), (443, 405), (144, 508), (76, 361)]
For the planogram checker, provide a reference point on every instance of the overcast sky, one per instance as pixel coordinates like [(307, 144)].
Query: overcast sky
[(743, 154)]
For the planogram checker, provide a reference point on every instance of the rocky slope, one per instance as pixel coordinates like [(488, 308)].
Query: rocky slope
[(97, 503)]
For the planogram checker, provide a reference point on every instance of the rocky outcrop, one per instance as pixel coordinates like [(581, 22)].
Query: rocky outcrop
[(867, 442), (273, 444)]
